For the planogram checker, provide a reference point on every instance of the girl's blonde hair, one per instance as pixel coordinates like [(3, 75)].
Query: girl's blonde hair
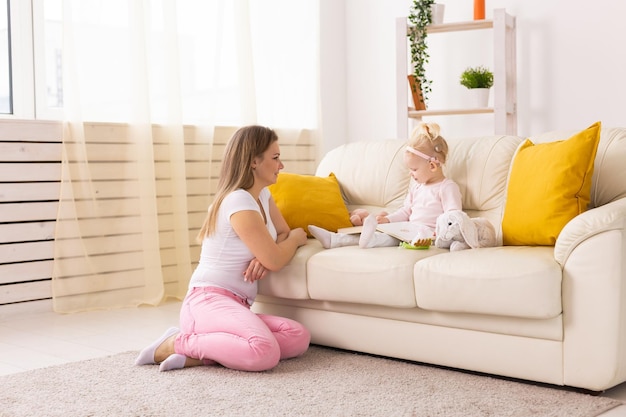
[(425, 138), (246, 144)]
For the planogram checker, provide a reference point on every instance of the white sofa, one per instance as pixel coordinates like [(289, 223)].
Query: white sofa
[(552, 314)]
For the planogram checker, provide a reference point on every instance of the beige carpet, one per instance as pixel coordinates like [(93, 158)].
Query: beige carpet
[(323, 382)]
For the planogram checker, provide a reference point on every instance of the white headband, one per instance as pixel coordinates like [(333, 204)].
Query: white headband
[(422, 155)]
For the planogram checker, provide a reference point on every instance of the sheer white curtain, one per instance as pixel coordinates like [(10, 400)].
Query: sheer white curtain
[(136, 76)]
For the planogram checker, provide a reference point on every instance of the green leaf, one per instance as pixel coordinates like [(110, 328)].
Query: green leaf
[(420, 17)]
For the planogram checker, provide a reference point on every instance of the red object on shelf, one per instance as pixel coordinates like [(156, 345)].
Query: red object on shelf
[(479, 9)]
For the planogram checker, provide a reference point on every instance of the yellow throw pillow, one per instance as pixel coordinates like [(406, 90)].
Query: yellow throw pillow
[(307, 199), (549, 184)]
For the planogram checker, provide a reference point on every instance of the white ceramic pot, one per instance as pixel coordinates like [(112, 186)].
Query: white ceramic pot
[(436, 12), (480, 97)]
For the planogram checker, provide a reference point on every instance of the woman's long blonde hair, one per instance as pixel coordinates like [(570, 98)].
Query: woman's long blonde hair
[(425, 138), (246, 144)]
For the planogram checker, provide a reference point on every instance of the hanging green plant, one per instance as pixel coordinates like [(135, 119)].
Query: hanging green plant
[(420, 17)]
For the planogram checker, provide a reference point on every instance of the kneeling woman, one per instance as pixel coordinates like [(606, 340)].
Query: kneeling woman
[(243, 237)]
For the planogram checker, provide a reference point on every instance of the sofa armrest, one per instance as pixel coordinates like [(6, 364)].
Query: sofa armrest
[(591, 251), (611, 216)]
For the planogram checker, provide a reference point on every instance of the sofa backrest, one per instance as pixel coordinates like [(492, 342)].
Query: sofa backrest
[(609, 171), (371, 173), (480, 166)]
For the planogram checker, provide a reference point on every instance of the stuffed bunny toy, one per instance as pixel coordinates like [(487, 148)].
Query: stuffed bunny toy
[(457, 231)]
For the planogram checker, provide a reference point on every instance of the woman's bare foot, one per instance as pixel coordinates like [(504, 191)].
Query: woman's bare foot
[(189, 362)]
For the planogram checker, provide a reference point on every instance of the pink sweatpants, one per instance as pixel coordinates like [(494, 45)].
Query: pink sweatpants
[(218, 326)]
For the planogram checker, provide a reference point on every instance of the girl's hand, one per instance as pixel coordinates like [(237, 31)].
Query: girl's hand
[(382, 217), (255, 271)]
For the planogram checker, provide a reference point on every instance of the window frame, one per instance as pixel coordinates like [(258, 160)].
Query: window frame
[(22, 60), (40, 106), (28, 63)]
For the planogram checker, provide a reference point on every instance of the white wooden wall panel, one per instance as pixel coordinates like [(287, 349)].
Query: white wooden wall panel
[(25, 291), (26, 252), (26, 232), (26, 271), (30, 211), (29, 191), (30, 173)]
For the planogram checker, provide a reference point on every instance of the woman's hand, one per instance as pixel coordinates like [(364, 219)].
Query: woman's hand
[(299, 235), (255, 271)]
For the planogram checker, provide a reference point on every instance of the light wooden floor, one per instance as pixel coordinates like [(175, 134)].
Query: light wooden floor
[(30, 341), (36, 340)]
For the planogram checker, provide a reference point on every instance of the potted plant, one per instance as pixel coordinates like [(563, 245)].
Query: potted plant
[(420, 17), (478, 80)]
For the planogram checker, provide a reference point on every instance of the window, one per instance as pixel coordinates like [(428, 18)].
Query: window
[(231, 59), (6, 100)]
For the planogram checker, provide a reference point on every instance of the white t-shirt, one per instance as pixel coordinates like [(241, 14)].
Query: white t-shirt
[(425, 202), (224, 257)]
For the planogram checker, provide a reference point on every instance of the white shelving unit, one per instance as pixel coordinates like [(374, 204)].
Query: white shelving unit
[(504, 71)]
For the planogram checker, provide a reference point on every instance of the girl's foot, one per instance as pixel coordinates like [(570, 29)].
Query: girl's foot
[(369, 229), (323, 235), (147, 356), (331, 240)]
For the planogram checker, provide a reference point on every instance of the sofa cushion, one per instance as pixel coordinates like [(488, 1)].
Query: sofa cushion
[(378, 276), (307, 199), (549, 184), (505, 281), (291, 280)]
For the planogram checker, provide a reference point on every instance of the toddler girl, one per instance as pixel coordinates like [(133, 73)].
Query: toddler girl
[(430, 194)]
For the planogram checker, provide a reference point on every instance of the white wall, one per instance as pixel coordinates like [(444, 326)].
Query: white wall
[(333, 92), (570, 64)]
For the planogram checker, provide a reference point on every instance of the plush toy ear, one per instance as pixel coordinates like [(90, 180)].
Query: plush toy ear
[(468, 230)]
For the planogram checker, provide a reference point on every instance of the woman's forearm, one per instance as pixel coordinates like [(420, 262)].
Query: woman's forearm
[(282, 236)]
